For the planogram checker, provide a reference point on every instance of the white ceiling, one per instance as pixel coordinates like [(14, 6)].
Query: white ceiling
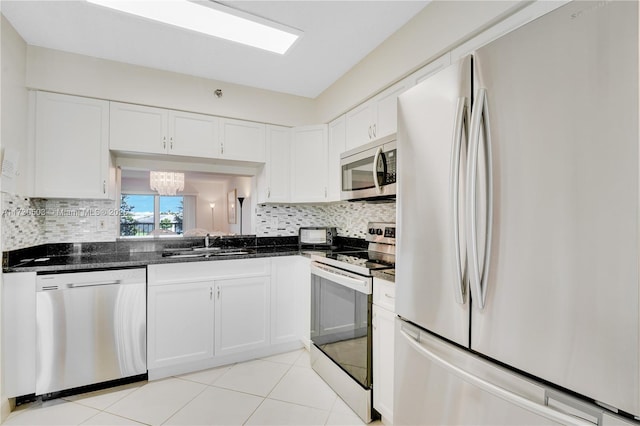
[(337, 35)]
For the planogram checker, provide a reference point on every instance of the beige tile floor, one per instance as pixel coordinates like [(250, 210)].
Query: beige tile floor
[(278, 390)]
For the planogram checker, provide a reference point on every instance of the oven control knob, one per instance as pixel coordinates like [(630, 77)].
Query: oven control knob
[(372, 231), (378, 231)]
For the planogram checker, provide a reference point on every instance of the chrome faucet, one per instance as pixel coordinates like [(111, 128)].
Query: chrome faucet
[(206, 240)]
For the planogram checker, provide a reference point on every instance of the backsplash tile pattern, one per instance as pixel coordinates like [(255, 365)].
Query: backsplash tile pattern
[(80, 221), (350, 218), (28, 222), (22, 223)]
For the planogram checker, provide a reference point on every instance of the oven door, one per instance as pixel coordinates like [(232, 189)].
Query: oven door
[(341, 319)]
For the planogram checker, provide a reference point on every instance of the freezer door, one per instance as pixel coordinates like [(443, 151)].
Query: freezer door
[(430, 267), (437, 383), (562, 285)]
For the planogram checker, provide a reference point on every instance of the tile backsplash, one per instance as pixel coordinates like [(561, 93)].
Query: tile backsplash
[(29, 222), (22, 222), (350, 218)]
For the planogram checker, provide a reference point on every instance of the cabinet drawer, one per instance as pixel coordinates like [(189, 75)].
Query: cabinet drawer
[(174, 273), (384, 294)]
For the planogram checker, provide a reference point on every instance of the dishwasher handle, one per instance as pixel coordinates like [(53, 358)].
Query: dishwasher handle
[(95, 284)]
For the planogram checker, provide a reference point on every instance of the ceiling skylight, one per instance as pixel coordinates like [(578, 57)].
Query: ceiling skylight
[(212, 19)]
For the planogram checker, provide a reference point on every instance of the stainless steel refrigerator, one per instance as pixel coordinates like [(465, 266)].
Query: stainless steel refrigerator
[(518, 228)]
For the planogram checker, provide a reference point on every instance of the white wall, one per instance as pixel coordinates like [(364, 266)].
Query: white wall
[(439, 27), (210, 191), (81, 75), (13, 124), (245, 186), (14, 99)]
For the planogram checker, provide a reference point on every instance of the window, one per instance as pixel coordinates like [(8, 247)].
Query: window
[(143, 215)]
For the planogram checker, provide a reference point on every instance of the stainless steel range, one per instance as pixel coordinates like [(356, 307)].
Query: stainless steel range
[(341, 298)]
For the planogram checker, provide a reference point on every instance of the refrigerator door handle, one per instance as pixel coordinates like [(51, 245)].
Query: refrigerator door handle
[(479, 125), (492, 388), (454, 193)]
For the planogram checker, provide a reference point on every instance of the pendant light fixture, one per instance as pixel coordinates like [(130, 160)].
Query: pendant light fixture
[(166, 183)]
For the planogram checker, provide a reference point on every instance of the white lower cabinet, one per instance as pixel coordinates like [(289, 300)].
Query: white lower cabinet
[(204, 314), (242, 314), (18, 334), (383, 321), (180, 323)]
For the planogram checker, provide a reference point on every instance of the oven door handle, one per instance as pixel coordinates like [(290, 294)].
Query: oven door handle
[(361, 285)]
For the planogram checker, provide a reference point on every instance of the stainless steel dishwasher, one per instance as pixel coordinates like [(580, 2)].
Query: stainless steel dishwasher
[(91, 328)]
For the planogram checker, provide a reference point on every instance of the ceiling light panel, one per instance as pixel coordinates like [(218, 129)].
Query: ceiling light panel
[(212, 19)]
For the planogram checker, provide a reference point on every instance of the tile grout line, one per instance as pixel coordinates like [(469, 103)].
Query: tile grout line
[(274, 386), (185, 404)]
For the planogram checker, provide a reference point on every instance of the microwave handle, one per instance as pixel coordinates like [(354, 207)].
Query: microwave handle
[(375, 170)]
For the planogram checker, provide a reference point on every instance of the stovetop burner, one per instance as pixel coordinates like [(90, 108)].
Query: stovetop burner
[(379, 256)]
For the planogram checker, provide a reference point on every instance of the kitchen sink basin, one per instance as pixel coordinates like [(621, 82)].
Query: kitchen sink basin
[(206, 249), (201, 252)]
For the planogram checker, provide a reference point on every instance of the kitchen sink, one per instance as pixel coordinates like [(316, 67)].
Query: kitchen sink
[(201, 252)]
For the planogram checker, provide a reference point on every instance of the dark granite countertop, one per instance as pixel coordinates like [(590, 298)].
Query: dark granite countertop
[(385, 274), (63, 257)]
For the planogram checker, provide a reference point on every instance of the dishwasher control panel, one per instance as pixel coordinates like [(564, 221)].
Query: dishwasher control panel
[(88, 279)]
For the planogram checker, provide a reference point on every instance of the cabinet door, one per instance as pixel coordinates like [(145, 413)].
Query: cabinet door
[(383, 359), (337, 145), (242, 314), (286, 283), (71, 147), (19, 333), (194, 135), (242, 140), (137, 128), (278, 166), (309, 164), (386, 109), (180, 323), (359, 125)]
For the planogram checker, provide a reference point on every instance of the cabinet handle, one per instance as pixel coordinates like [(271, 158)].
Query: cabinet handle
[(325, 192), (374, 131), (164, 142), (369, 132), (389, 296), (210, 293), (104, 186), (171, 143), (218, 293), (268, 192), (373, 322), (222, 147)]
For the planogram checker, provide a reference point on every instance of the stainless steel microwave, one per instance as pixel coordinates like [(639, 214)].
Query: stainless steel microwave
[(369, 171)]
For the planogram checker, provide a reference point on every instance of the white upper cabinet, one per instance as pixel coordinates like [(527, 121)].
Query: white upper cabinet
[(242, 140), (337, 145), (192, 135), (309, 164), (375, 118), (137, 128), (71, 147), (274, 182), (386, 109), (359, 125), (142, 129), (149, 130)]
